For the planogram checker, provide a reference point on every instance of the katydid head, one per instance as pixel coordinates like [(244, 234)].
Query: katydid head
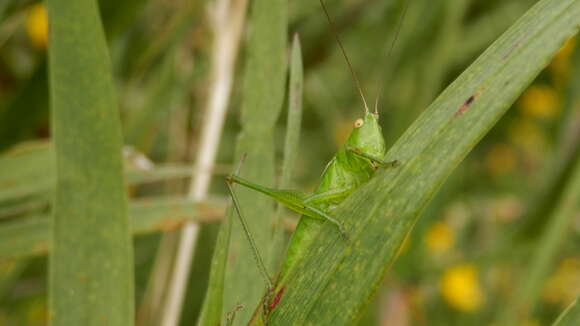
[(367, 136)]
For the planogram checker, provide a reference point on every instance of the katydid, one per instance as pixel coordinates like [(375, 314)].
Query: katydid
[(353, 165)]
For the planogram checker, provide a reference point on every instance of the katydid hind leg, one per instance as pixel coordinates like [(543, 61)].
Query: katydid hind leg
[(250, 238), (255, 250), (294, 200)]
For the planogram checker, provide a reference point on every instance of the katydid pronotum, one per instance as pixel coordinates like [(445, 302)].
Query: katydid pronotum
[(353, 165)]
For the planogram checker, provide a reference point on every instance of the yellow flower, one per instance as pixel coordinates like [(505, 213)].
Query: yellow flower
[(540, 102), (564, 284), (439, 238), (500, 159), (460, 287), (37, 25)]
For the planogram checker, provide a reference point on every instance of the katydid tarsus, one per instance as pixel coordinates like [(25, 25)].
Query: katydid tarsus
[(353, 165)]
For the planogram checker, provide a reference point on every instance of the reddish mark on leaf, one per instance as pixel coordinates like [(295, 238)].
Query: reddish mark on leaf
[(466, 104), (276, 300)]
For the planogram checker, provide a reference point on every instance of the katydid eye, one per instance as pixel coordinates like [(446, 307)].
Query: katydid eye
[(358, 123)]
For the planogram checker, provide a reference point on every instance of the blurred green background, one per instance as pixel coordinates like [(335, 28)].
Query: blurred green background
[(474, 244)]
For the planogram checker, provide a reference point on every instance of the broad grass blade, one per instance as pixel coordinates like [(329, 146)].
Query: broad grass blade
[(91, 266)]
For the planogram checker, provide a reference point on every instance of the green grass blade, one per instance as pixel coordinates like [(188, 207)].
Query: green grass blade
[(264, 82), (212, 309), (335, 279), (295, 94), (547, 248), (27, 176), (570, 316), (291, 148), (31, 235), (25, 171), (91, 266)]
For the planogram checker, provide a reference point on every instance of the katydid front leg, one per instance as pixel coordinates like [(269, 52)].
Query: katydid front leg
[(374, 160)]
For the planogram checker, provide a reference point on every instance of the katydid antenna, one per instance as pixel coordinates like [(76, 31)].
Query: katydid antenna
[(354, 76), (335, 33), (397, 32)]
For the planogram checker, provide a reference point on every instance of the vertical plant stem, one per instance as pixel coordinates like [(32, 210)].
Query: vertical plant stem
[(263, 91), (228, 22), (91, 266)]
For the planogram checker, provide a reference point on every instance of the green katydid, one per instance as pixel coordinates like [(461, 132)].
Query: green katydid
[(353, 165)]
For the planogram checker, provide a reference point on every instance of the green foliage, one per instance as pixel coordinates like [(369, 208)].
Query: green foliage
[(91, 263), (25, 237), (336, 277), (486, 193)]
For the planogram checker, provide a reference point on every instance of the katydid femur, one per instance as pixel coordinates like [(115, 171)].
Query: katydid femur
[(353, 165)]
